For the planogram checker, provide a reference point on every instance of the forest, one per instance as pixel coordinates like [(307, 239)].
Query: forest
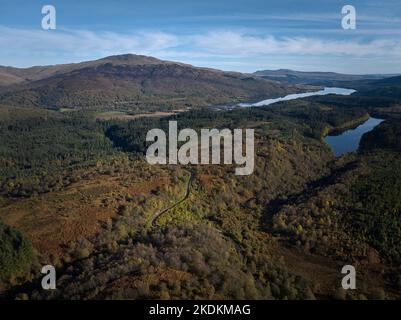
[(76, 192)]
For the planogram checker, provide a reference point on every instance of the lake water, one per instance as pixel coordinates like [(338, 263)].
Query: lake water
[(348, 140), (325, 91)]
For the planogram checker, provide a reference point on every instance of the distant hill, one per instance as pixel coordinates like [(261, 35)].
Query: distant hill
[(392, 81), (300, 77), (389, 87), (10, 75), (128, 81)]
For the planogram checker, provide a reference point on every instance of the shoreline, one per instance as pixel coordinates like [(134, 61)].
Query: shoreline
[(327, 131)]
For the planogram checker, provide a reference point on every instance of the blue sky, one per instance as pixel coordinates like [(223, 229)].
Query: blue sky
[(225, 34)]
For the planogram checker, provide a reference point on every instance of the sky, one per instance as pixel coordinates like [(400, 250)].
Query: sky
[(236, 35)]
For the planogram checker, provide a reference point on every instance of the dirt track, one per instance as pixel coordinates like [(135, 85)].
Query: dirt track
[(188, 190)]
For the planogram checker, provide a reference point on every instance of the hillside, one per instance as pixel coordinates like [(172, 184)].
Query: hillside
[(76, 191), (389, 87), (86, 199), (392, 81), (10, 75), (301, 77), (128, 82)]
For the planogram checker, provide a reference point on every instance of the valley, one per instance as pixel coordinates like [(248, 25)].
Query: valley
[(78, 193)]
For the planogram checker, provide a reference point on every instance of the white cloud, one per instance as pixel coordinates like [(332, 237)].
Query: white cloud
[(234, 43), (28, 47), (77, 43)]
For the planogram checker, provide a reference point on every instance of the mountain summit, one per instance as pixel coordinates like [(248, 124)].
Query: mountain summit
[(131, 80)]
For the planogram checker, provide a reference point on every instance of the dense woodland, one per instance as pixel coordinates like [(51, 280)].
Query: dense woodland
[(281, 233), (17, 256), (44, 153), (385, 136)]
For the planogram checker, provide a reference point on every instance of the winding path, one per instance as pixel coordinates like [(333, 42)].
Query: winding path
[(159, 214), (236, 245)]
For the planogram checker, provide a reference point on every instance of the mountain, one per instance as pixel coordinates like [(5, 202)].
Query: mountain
[(392, 81), (389, 87), (10, 75), (301, 77), (128, 81)]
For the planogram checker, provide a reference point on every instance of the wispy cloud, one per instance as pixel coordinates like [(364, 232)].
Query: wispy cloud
[(81, 43), (64, 45), (234, 43)]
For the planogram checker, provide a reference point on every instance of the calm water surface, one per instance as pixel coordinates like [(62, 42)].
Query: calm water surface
[(325, 91), (348, 141)]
